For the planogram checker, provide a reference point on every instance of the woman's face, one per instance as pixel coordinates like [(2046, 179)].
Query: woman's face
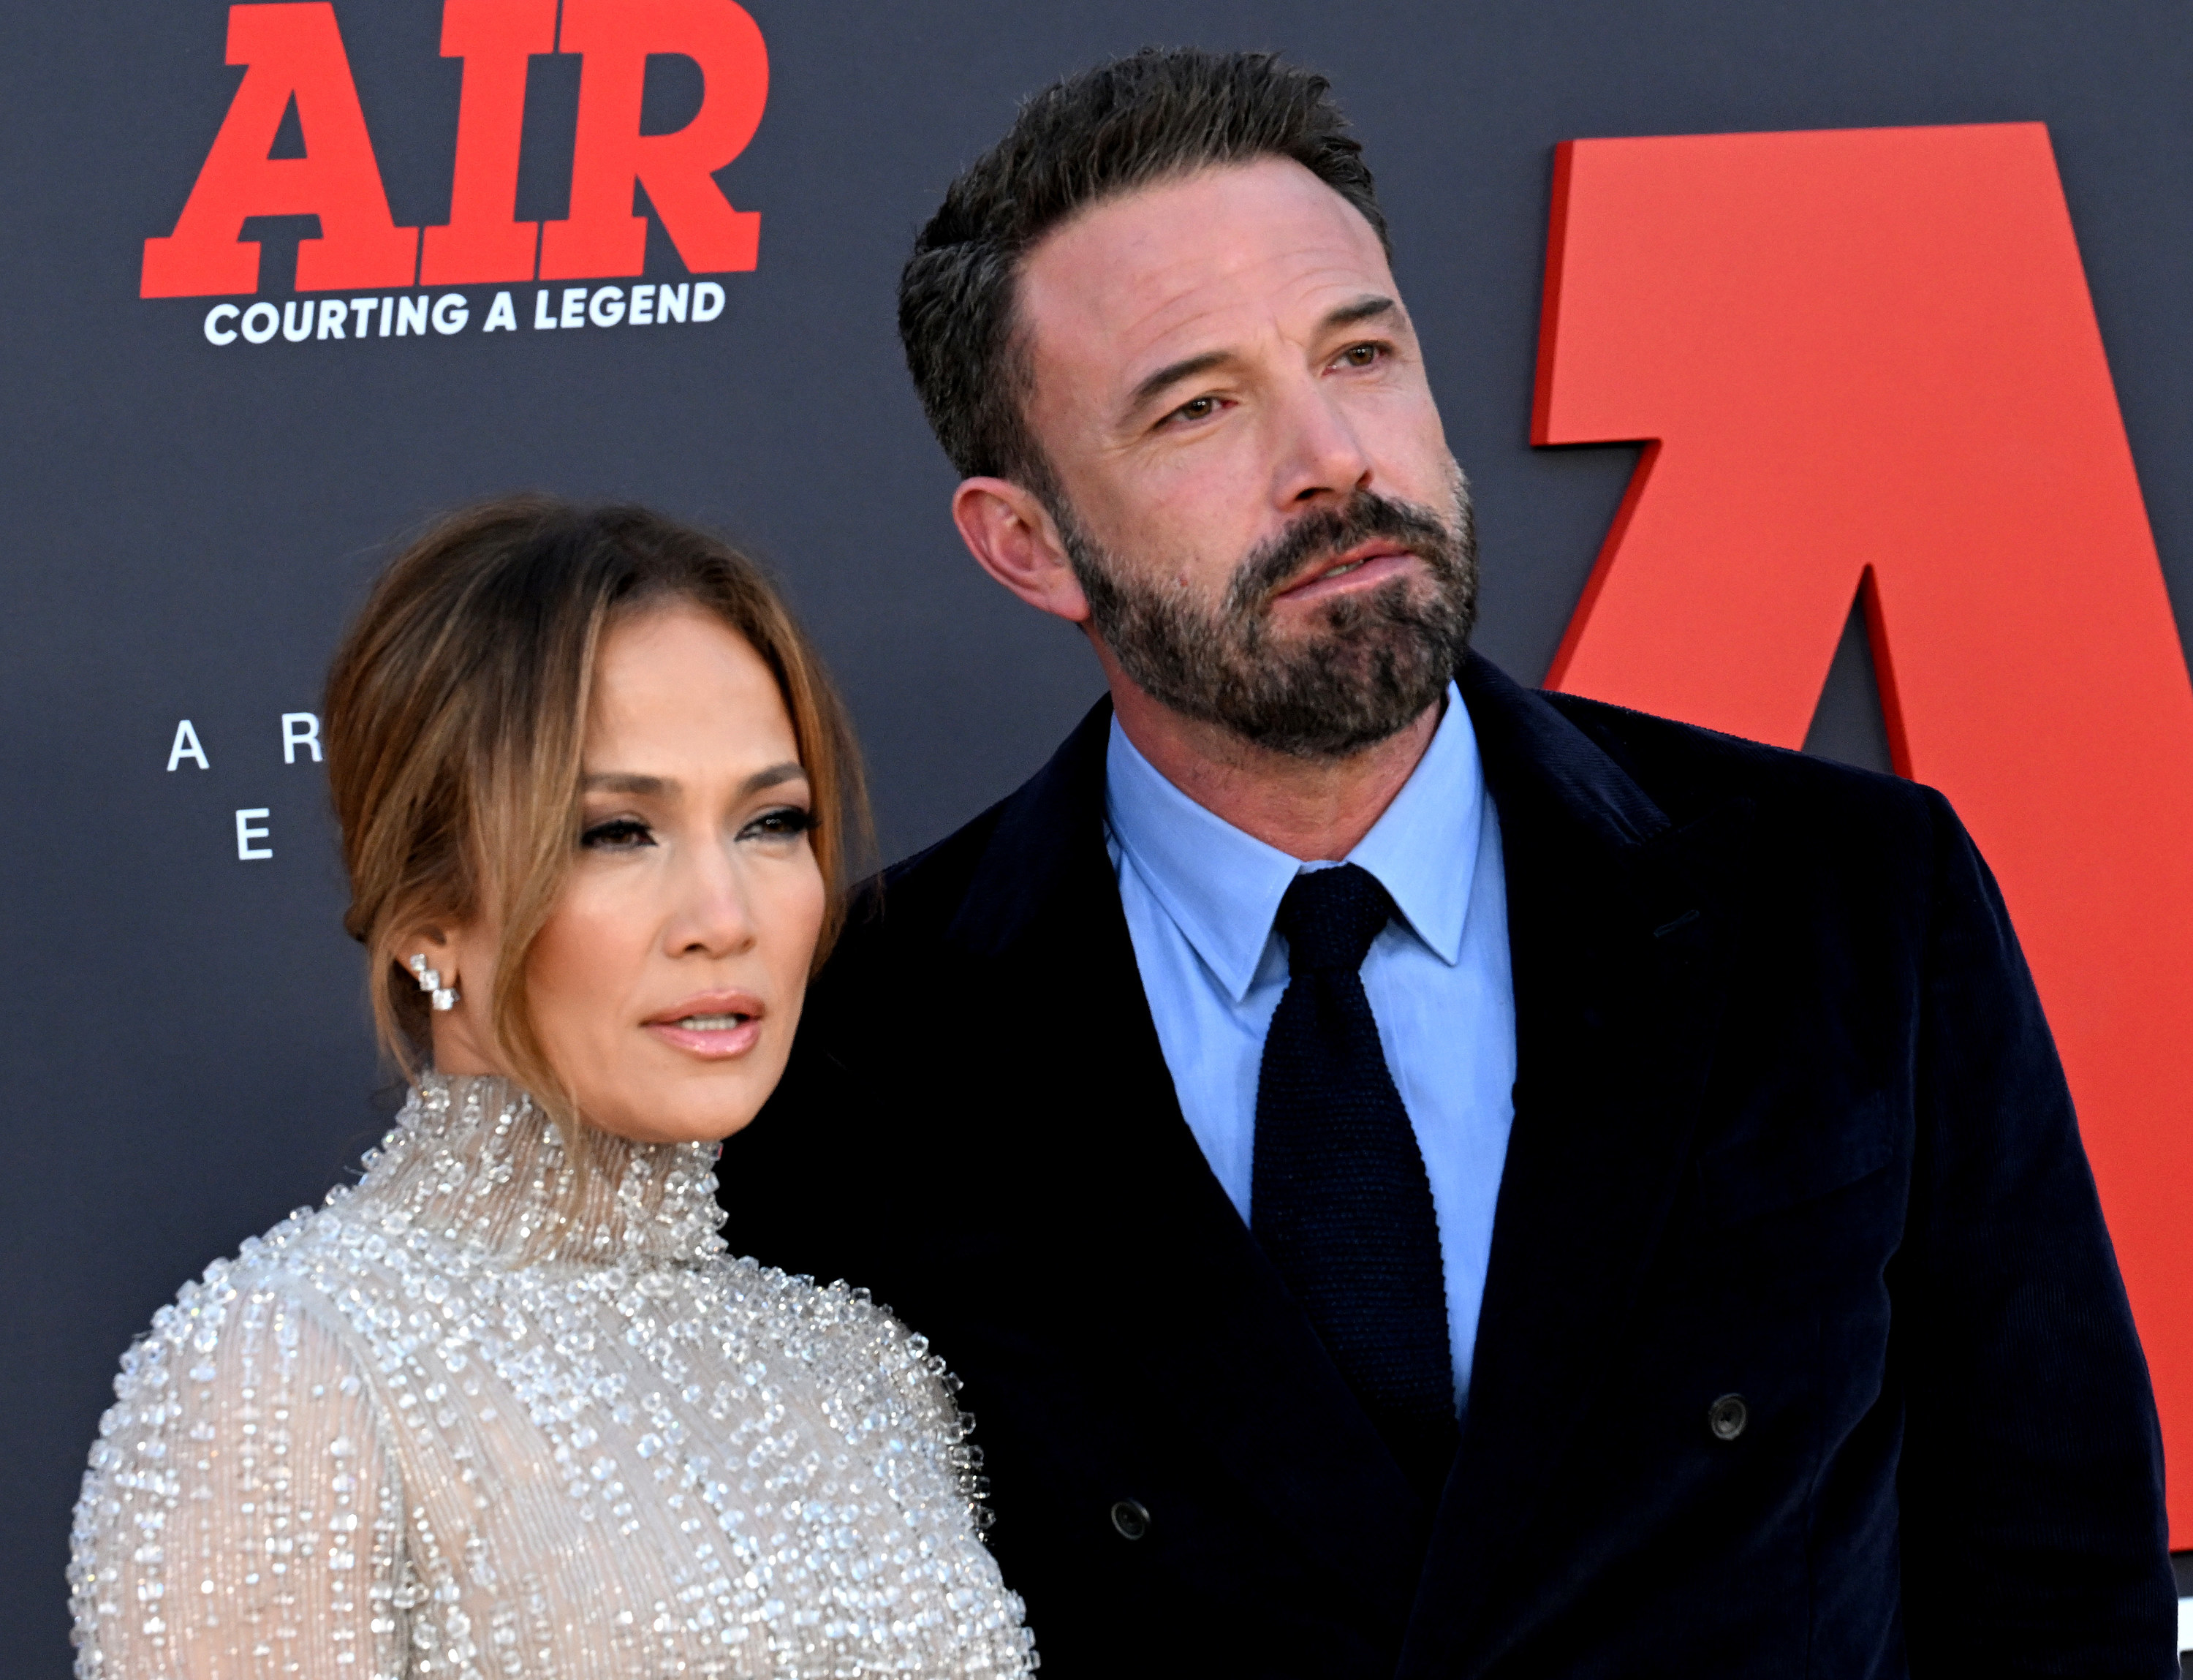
[(667, 981)]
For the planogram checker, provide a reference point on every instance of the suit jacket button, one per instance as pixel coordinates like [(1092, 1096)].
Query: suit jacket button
[(1129, 1517), (1727, 1416)]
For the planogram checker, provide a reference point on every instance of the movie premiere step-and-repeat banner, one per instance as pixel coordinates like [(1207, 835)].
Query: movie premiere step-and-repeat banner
[(1822, 373)]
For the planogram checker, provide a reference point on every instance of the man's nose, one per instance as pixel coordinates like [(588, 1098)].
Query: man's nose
[(1319, 456)]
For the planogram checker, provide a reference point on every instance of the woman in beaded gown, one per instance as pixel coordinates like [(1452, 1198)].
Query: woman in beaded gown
[(506, 1406)]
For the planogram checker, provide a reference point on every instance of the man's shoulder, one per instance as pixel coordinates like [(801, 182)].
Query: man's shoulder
[(1799, 802), (1688, 770)]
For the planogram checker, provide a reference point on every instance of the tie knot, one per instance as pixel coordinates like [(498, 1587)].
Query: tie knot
[(1330, 917)]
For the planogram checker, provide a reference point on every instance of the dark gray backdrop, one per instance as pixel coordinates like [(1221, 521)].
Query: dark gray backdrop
[(185, 1056)]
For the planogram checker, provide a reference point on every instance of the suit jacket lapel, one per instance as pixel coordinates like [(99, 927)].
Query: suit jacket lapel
[(1189, 1294), (1619, 922)]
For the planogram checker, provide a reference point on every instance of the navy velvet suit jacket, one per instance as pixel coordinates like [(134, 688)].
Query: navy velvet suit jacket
[(1788, 1125)]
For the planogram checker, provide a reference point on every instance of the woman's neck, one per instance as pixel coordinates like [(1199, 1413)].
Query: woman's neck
[(475, 1162)]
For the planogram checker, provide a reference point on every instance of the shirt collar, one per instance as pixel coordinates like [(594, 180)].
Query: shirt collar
[(1222, 887)]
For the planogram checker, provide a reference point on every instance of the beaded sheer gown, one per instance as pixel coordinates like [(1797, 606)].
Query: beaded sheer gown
[(481, 1416)]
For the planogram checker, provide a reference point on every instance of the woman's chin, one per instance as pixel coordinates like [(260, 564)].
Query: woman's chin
[(695, 1103)]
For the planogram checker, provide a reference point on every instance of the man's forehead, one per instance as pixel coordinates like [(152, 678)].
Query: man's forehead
[(1225, 249)]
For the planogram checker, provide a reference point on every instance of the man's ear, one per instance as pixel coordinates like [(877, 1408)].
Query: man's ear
[(1012, 536)]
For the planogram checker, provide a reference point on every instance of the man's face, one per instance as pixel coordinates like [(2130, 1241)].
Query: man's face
[(1254, 485)]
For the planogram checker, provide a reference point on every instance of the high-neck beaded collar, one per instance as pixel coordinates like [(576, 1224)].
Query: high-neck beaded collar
[(474, 1160)]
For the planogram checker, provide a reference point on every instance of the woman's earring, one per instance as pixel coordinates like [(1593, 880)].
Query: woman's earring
[(430, 980)]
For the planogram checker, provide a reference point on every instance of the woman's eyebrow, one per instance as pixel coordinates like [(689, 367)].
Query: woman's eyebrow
[(628, 782), (789, 770), (623, 781)]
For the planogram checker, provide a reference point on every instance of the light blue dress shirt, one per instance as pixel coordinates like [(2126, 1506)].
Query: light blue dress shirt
[(1200, 897)]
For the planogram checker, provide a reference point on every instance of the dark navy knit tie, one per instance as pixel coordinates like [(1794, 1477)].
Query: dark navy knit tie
[(1338, 1193)]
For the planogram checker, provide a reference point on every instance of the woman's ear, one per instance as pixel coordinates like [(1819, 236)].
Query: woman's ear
[(434, 968), (1013, 538), (430, 948), (457, 975)]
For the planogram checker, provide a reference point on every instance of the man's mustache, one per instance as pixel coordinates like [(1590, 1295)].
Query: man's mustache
[(1330, 532)]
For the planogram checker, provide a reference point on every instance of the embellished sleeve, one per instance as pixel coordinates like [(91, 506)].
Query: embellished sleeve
[(930, 1475), (242, 1516)]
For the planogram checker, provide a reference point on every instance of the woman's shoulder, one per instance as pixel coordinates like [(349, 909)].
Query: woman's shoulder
[(849, 1342), (281, 1259), (278, 1288), (831, 1321)]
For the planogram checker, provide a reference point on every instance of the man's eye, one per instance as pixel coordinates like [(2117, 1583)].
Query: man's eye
[(1363, 355), (786, 822), (619, 833), (1199, 407)]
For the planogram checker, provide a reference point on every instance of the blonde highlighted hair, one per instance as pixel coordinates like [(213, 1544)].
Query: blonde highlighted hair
[(455, 718)]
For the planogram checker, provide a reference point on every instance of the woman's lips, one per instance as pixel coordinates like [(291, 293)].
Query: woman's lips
[(1341, 577), (715, 1028)]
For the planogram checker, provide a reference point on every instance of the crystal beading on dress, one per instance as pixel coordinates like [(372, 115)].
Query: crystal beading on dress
[(481, 1415)]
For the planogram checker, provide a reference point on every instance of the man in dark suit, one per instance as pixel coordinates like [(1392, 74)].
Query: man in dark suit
[(1420, 1176)]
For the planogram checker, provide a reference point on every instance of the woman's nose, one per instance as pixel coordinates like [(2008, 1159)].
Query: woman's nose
[(712, 917)]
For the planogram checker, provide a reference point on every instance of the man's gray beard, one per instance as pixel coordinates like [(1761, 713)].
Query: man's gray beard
[(1376, 664)]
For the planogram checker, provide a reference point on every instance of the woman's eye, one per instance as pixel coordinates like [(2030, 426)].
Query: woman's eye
[(786, 822), (619, 833)]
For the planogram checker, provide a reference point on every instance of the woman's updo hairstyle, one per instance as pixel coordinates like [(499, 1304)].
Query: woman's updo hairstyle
[(456, 713)]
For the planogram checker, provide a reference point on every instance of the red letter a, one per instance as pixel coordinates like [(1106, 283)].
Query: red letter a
[(609, 154), (1871, 368), (485, 240), (291, 50)]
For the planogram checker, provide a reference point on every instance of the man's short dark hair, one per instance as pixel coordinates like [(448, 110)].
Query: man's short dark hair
[(1135, 121)]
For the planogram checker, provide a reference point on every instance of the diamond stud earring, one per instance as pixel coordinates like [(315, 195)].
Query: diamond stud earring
[(430, 980)]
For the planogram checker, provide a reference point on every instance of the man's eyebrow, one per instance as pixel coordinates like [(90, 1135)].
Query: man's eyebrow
[(1172, 374), (1348, 315), (1363, 309)]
